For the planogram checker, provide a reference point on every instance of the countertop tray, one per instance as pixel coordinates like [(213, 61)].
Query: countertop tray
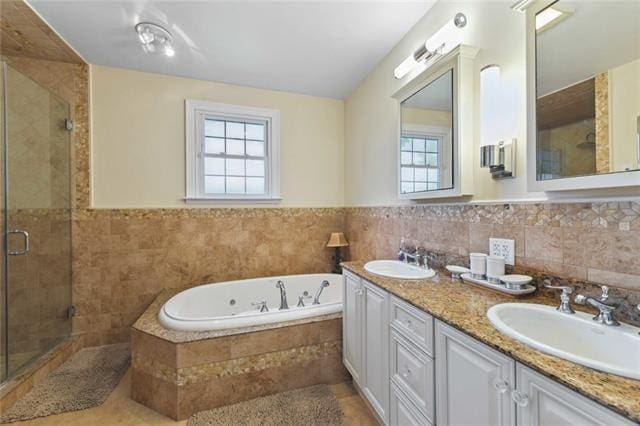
[(527, 288)]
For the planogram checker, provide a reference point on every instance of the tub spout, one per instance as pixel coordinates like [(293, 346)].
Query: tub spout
[(316, 300), (283, 296)]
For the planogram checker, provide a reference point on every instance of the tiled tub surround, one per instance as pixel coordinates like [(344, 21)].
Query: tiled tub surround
[(465, 306), (181, 373), (124, 258)]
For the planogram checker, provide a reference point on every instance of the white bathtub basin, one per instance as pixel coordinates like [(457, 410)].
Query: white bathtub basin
[(228, 304), (576, 337), (397, 269)]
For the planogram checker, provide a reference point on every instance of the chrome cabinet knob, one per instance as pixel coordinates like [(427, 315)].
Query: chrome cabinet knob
[(500, 385), (521, 399)]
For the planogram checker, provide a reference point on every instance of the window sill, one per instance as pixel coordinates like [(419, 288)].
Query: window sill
[(232, 200)]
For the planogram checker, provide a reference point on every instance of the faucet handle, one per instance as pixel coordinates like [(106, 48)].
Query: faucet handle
[(301, 300), (565, 300), (605, 293), (262, 305)]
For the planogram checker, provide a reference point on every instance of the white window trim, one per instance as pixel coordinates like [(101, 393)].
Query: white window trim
[(195, 111)]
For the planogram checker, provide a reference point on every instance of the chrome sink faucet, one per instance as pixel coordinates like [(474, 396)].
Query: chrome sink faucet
[(415, 255), (283, 296), (565, 300), (605, 316), (316, 299)]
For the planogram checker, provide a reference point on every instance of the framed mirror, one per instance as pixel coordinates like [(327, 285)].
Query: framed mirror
[(426, 137), (430, 162), (584, 94)]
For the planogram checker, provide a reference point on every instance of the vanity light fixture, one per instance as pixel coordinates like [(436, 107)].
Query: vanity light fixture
[(439, 44), (495, 153), (155, 38)]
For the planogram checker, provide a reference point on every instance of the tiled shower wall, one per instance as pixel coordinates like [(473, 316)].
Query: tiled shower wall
[(598, 242), (124, 258)]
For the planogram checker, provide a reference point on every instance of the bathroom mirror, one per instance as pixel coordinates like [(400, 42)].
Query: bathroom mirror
[(426, 139), (586, 93), (434, 127)]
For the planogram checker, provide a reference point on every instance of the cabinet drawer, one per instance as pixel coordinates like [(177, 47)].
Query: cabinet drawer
[(402, 412), (413, 372), (413, 324)]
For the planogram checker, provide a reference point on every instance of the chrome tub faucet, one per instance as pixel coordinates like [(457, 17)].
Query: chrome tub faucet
[(316, 299), (283, 296)]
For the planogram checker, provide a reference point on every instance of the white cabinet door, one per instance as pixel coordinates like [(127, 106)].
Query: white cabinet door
[(352, 326), (543, 402), (375, 344), (473, 381)]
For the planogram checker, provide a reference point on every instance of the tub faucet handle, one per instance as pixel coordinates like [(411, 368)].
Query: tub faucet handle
[(301, 300), (261, 305)]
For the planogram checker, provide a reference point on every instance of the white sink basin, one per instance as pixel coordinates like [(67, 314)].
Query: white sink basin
[(397, 269), (576, 337)]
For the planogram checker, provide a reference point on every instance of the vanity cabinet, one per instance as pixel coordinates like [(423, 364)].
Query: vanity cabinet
[(366, 340), (415, 370), (473, 381), (541, 401)]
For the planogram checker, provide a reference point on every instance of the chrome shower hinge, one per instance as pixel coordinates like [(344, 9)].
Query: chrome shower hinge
[(71, 311), (68, 124)]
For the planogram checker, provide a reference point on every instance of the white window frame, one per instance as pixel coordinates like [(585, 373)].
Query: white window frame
[(195, 113), (428, 132)]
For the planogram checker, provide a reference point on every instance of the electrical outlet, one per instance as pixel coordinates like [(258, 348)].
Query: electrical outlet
[(504, 248)]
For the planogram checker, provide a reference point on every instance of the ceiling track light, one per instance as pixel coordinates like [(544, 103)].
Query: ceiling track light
[(155, 38), (439, 44)]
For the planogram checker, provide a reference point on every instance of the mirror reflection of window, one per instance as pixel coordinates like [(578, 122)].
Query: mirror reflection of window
[(426, 152), (588, 88)]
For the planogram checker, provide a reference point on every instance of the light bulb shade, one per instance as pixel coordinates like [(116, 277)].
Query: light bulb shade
[(404, 68), (337, 239), (490, 105), (445, 39)]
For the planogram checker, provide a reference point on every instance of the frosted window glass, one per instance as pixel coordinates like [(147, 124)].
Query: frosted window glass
[(432, 145), (235, 130), (214, 145), (433, 175), (235, 167), (214, 128), (406, 187), (432, 160), (214, 166), (235, 185), (255, 185), (255, 132), (421, 175), (420, 186), (406, 158), (418, 145), (235, 147), (405, 144), (255, 167), (214, 184), (419, 159), (407, 173), (255, 149)]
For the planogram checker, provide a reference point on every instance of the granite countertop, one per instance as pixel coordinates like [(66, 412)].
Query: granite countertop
[(464, 306), (149, 323)]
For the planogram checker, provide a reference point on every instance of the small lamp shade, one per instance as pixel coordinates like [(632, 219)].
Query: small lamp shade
[(337, 239)]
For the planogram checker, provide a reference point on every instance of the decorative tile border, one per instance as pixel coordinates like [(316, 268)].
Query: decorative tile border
[(623, 215), (195, 213), (237, 366)]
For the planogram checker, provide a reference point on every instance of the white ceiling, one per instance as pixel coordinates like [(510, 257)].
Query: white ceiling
[(598, 36), (315, 48)]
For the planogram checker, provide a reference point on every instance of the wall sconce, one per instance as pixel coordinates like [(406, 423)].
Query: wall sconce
[(439, 44), (495, 153)]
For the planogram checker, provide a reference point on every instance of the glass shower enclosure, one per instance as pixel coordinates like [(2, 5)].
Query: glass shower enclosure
[(35, 286)]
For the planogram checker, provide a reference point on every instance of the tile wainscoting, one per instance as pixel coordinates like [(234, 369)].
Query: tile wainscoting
[(124, 258)]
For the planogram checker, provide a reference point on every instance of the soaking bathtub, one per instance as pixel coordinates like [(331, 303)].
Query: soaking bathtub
[(231, 304)]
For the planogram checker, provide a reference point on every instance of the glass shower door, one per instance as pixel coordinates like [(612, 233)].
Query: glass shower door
[(37, 220)]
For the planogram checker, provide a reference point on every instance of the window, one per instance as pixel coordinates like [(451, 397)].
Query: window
[(232, 152), (420, 162)]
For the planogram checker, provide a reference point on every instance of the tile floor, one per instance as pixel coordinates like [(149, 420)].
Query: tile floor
[(119, 410)]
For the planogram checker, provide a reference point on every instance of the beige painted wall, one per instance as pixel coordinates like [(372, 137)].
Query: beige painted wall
[(371, 115), (138, 139), (624, 108)]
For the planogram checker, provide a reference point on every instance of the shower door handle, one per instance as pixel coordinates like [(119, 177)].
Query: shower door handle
[(25, 234)]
